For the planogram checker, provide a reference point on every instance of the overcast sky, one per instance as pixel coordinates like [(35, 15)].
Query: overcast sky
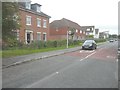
[(103, 14)]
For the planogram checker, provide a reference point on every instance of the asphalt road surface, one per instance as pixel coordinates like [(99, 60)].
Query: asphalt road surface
[(81, 69)]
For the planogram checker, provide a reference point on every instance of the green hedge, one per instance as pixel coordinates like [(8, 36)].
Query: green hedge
[(100, 40), (40, 44)]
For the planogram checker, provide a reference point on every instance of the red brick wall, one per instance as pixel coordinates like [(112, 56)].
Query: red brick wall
[(61, 33), (33, 25)]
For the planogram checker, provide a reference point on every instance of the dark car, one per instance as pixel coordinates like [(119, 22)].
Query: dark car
[(89, 44)]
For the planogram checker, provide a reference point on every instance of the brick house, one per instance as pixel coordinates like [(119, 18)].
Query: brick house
[(59, 28), (34, 23)]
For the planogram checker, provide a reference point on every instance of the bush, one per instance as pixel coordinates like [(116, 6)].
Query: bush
[(40, 44), (100, 40)]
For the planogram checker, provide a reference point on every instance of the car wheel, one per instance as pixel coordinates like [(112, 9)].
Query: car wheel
[(93, 48)]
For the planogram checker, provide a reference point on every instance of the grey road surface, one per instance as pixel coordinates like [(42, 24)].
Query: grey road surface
[(80, 69)]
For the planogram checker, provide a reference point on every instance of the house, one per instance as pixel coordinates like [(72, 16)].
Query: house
[(59, 29), (96, 34), (91, 31), (34, 23), (104, 34)]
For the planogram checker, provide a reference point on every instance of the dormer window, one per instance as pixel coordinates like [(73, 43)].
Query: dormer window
[(38, 9), (28, 5)]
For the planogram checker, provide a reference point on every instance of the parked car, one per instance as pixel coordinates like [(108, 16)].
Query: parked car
[(89, 44)]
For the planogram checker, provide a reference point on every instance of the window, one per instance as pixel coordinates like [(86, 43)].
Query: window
[(44, 37), (45, 23), (38, 9), (28, 20), (80, 31), (84, 32), (28, 5), (38, 22), (38, 35), (76, 31)]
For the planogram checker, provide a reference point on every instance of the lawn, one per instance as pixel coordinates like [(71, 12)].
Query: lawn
[(18, 52)]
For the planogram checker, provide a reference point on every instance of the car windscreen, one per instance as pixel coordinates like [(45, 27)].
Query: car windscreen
[(87, 43)]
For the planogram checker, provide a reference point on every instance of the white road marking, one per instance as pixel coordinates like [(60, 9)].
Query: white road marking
[(36, 83), (82, 59), (57, 72), (87, 56), (111, 57), (81, 51), (86, 51)]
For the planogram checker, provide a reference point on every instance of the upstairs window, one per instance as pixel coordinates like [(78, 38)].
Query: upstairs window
[(76, 31), (38, 22), (28, 20), (28, 5), (45, 23), (38, 9), (80, 31)]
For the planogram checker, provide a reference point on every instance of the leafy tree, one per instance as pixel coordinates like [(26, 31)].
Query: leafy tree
[(10, 20), (72, 30)]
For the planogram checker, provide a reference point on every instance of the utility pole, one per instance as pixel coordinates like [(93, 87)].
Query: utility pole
[(67, 38)]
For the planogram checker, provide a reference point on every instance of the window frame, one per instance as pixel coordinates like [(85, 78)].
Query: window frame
[(39, 37), (28, 5), (44, 23), (38, 20), (30, 20)]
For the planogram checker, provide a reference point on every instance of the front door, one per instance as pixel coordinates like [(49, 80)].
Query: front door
[(28, 37)]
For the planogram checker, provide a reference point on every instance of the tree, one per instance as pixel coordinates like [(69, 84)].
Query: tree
[(10, 20), (72, 30)]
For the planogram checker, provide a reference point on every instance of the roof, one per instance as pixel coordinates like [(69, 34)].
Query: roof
[(64, 23), (36, 4), (21, 7)]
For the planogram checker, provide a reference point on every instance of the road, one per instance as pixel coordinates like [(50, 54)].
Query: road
[(80, 69)]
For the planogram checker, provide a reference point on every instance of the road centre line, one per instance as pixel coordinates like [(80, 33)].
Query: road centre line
[(87, 56)]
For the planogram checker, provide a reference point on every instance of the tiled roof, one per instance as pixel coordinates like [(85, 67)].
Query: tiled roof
[(34, 12), (64, 23)]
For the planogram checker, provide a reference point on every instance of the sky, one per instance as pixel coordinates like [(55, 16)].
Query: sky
[(103, 14)]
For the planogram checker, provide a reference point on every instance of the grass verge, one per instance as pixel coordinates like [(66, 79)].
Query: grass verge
[(18, 52)]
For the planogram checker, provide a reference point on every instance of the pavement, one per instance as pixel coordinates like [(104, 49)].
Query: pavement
[(8, 62)]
